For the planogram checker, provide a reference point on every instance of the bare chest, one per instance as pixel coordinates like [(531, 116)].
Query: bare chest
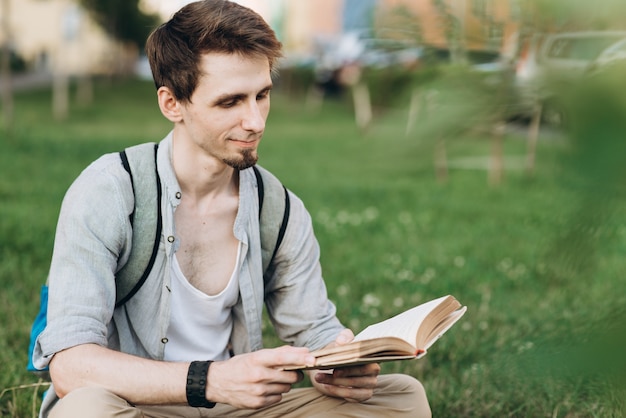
[(208, 248)]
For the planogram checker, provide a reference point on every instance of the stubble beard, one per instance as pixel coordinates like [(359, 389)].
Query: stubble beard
[(247, 159)]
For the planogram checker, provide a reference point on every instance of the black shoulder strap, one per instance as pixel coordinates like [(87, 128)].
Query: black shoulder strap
[(147, 223), (145, 219), (273, 215)]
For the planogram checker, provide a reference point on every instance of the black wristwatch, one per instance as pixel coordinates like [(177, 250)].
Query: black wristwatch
[(197, 377)]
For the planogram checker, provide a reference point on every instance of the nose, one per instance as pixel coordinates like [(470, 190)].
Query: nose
[(254, 118)]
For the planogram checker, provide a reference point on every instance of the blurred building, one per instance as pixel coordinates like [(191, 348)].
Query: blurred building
[(304, 21), (480, 27), (486, 27), (59, 36), (297, 23)]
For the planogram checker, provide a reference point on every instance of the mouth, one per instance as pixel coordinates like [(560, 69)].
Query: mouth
[(245, 144)]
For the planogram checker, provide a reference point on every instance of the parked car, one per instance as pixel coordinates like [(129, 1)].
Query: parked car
[(551, 63), (610, 57)]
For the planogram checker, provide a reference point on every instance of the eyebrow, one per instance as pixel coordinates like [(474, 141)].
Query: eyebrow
[(238, 96)]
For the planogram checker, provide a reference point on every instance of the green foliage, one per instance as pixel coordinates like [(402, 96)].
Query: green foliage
[(398, 22), (123, 19), (542, 336), (551, 15)]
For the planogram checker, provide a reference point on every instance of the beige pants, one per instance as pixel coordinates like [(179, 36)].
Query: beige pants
[(396, 395)]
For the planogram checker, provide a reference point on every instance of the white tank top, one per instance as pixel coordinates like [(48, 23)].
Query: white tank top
[(200, 325)]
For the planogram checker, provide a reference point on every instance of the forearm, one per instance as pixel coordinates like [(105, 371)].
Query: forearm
[(138, 380), (251, 380)]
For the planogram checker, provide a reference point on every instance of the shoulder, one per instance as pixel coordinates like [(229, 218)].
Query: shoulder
[(285, 203), (106, 166), (274, 192), (105, 172), (103, 186)]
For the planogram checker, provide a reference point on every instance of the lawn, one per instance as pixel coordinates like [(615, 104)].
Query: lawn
[(538, 259)]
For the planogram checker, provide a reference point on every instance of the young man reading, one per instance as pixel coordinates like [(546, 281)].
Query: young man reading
[(188, 343)]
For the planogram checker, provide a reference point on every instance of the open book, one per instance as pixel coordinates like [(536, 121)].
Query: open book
[(407, 335)]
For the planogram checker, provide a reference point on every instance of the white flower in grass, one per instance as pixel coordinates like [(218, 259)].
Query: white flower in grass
[(344, 217), (343, 290), (517, 272), (323, 217), (525, 346), (459, 261), (398, 302), (356, 219), (428, 275), (371, 300), (395, 259), (505, 265), (405, 218), (405, 274), (370, 214)]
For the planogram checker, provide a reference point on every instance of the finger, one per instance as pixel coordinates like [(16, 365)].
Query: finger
[(276, 389), (365, 382), (285, 356), (291, 377), (350, 394), (372, 369), (344, 337)]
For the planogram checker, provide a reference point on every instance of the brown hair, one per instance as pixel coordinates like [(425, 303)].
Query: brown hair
[(175, 47)]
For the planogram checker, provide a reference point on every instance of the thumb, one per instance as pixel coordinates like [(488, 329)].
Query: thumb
[(344, 337)]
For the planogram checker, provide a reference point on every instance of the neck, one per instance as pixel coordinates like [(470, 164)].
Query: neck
[(200, 175)]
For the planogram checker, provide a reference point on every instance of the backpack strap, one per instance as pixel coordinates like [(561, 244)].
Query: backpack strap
[(273, 216), (147, 223), (145, 219)]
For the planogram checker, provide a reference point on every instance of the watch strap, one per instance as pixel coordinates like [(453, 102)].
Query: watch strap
[(197, 378)]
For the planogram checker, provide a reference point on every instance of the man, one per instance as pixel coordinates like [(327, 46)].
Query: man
[(212, 65)]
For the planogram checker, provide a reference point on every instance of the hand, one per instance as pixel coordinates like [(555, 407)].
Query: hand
[(255, 380), (352, 383)]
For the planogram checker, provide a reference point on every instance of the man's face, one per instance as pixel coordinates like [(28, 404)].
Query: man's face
[(227, 112)]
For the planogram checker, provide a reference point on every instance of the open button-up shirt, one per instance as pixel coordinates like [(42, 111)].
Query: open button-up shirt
[(93, 242)]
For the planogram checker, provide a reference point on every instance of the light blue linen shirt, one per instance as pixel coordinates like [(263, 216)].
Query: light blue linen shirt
[(93, 241)]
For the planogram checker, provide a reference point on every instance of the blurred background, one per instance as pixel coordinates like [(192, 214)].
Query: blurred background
[(466, 147), (335, 44)]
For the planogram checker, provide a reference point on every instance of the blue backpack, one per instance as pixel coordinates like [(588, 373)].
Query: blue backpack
[(147, 225)]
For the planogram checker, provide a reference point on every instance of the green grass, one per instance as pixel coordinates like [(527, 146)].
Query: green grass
[(539, 261)]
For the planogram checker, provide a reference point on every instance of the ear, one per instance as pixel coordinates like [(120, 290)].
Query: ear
[(169, 105)]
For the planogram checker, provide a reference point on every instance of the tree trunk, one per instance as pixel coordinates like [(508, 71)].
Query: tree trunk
[(533, 137), (60, 96), (496, 168), (6, 87)]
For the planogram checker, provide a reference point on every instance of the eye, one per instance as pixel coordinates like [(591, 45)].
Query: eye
[(263, 95), (228, 103)]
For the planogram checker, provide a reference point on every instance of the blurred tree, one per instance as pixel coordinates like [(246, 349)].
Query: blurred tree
[(562, 15), (123, 19), (398, 23), (125, 22), (452, 22), (5, 88)]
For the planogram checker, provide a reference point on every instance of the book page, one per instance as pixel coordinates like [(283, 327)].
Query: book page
[(403, 325), (443, 327), (404, 336)]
